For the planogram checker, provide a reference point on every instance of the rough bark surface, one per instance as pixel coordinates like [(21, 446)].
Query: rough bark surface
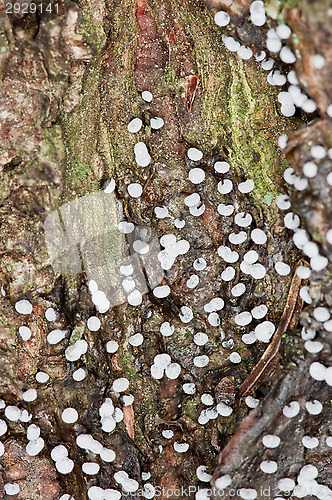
[(70, 83)]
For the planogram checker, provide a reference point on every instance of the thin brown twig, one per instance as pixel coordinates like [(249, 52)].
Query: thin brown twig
[(257, 375)]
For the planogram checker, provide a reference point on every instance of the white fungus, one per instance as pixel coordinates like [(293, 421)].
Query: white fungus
[(238, 290), (244, 53), (107, 455), (135, 190), (273, 42), (93, 323), (147, 96), (286, 484), (271, 441), (313, 347), (321, 314), (2, 449), (264, 331), (287, 56), (167, 329), (3, 427), (310, 169), (156, 123), (291, 410), (161, 291), (314, 407), (221, 18), (268, 466), (318, 152), (126, 227), (42, 377), (34, 447), (194, 154), (29, 395), (283, 31), (25, 332), (199, 264), (51, 314), (282, 268), (224, 410), (69, 415), (231, 44), (243, 319), (223, 482), (135, 298), (246, 187), (201, 338), (257, 13), (225, 210), (64, 466), (228, 254), (76, 350), (136, 340), (196, 175), (186, 314), (317, 371), (242, 219), (173, 370), (303, 272), (201, 361), (213, 319), (11, 489), (258, 236), (192, 200), (189, 388), (90, 468), (193, 281), (249, 338), (112, 346), (120, 385), (110, 186), (310, 442), (235, 358), (259, 312), (161, 212), (238, 238), (225, 186), (202, 475), (222, 167), (135, 125), (181, 447), (12, 413), (282, 143), (228, 274), (142, 156), (247, 493), (23, 307), (251, 402)]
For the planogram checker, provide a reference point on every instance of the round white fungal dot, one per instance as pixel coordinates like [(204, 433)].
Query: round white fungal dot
[(186, 314), (282, 268), (251, 402), (201, 338), (147, 96), (12, 413), (194, 154), (283, 31), (303, 272), (25, 332), (318, 263), (110, 186), (112, 346), (257, 13), (93, 323), (317, 371), (120, 385), (314, 407), (213, 319), (3, 427), (167, 434), (264, 331), (135, 125), (291, 410), (173, 371), (51, 314), (249, 338), (29, 395), (23, 307), (258, 236), (221, 18), (64, 466), (202, 475), (259, 312), (238, 290), (107, 455), (126, 227), (328, 442), (161, 291), (228, 274), (257, 271), (318, 152), (59, 452), (224, 410), (90, 468), (313, 347), (2, 449), (271, 441), (11, 489), (141, 247), (75, 351), (247, 186), (225, 210), (196, 175), (250, 257), (287, 56), (248, 493), (223, 482), (192, 200), (135, 190), (201, 361), (156, 123), (310, 169), (193, 281), (282, 202), (142, 155), (268, 466), (292, 221), (243, 319), (310, 442), (329, 179), (207, 399), (69, 415), (228, 255), (238, 238), (329, 236), (222, 167), (42, 377), (273, 42), (242, 219), (135, 298), (321, 314), (166, 329), (244, 53), (181, 447), (282, 142), (231, 44), (161, 212), (235, 358), (189, 388), (199, 264), (286, 484), (225, 186)]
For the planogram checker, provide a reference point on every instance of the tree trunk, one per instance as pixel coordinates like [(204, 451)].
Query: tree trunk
[(72, 80)]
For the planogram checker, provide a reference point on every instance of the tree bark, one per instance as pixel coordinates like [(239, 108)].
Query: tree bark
[(71, 82)]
